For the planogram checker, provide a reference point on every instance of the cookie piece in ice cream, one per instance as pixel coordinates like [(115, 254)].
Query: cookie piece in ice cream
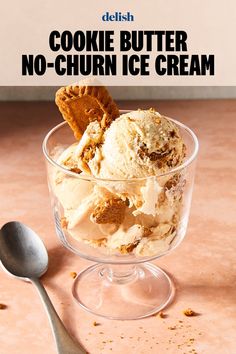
[(81, 105), (109, 211)]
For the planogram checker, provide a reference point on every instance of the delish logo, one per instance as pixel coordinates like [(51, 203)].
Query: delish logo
[(117, 16)]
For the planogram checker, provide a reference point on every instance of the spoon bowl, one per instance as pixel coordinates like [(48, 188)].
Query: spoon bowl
[(22, 252)]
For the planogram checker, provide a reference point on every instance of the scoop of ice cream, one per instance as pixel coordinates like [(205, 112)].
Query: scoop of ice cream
[(137, 144)]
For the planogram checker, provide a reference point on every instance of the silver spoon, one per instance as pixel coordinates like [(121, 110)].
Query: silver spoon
[(23, 254)]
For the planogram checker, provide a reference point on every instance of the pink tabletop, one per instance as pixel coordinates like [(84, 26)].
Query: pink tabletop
[(202, 267)]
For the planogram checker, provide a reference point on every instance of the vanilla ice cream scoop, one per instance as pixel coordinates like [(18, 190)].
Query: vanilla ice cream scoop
[(137, 144)]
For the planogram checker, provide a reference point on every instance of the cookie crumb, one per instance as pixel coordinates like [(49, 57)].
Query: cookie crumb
[(3, 306), (172, 328), (64, 223), (95, 324), (161, 315), (73, 275), (189, 312)]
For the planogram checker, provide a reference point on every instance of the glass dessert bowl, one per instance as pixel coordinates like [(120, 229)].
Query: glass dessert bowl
[(121, 224)]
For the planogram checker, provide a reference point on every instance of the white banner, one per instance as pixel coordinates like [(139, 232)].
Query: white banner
[(121, 43)]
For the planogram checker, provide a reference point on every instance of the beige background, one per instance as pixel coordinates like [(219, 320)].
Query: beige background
[(25, 27), (203, 266)]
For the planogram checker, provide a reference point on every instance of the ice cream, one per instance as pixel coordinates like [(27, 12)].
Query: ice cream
[(137, 144), (130, 207)]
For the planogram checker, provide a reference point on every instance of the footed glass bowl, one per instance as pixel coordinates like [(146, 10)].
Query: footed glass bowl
[(121, 225)]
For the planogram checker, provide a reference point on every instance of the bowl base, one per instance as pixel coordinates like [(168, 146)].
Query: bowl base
[(123, 292)]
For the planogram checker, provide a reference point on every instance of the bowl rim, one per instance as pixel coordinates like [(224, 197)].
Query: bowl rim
[(185, 164)]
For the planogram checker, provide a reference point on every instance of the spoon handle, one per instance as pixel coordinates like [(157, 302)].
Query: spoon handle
[(64, 342)]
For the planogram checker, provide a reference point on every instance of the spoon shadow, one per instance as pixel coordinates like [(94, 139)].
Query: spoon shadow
[(58, 259), (59, 262)]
